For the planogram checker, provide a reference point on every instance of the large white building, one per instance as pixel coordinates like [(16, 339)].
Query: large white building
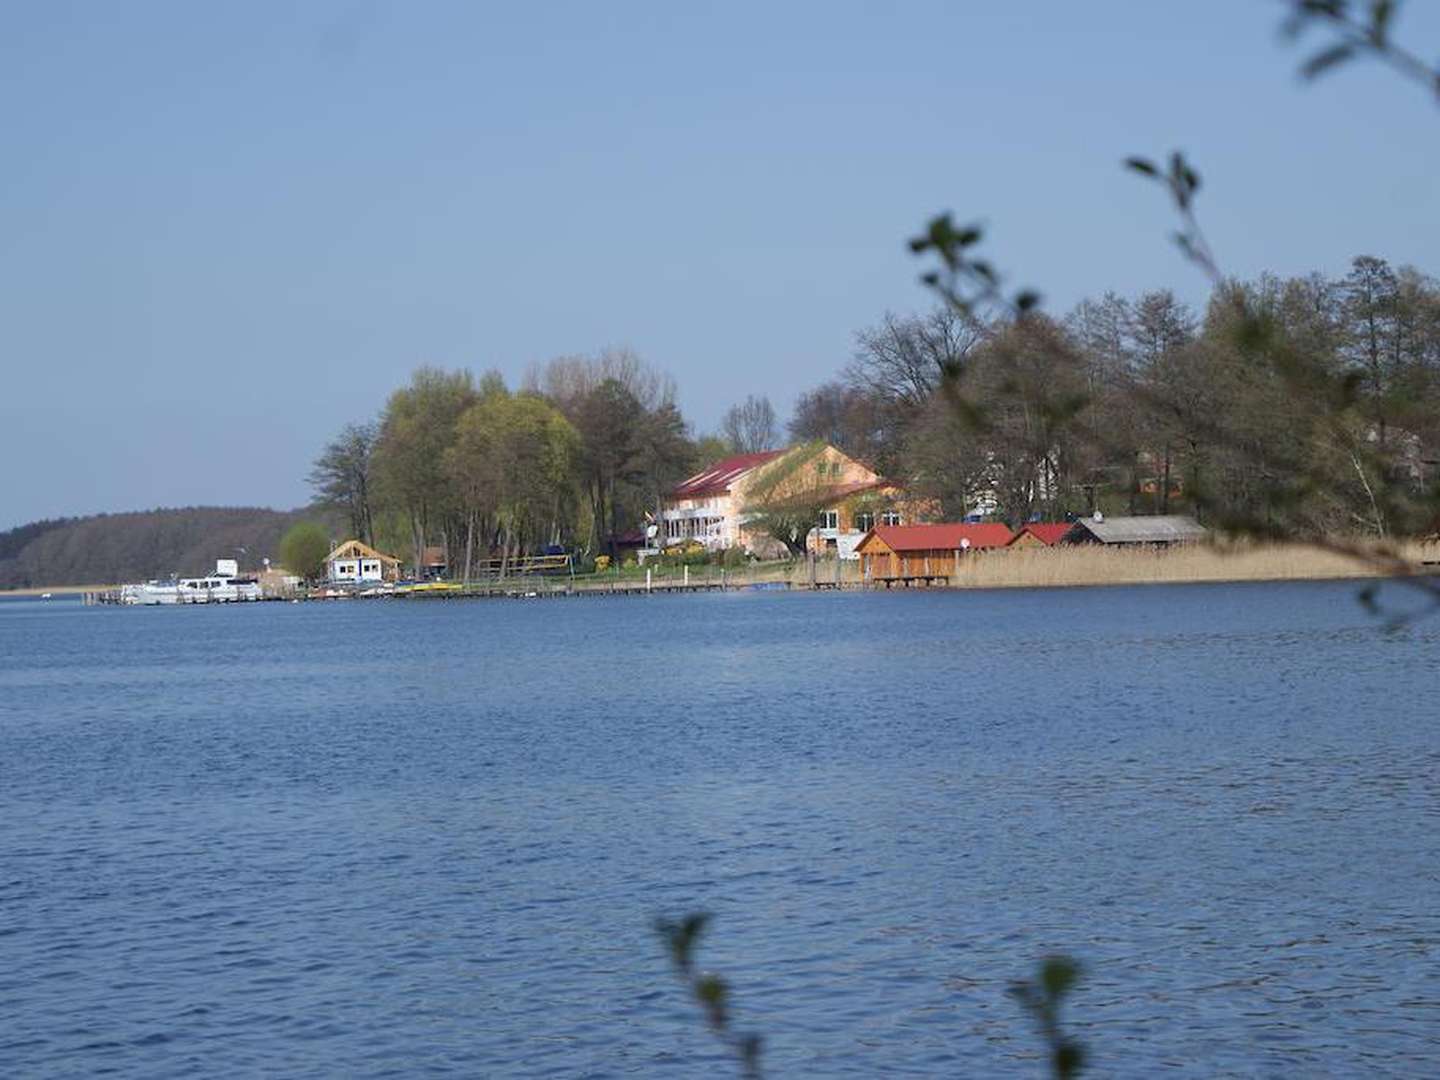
[(710, 507)]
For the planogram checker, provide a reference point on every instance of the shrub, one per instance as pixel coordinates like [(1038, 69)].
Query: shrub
[(303, 549)]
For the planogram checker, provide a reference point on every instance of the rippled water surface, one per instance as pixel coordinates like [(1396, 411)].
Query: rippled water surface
[(430, 837)]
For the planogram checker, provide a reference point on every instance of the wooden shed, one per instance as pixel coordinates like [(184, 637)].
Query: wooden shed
[(356, 562), (1159, 530), (1041, 534), (923, 553)]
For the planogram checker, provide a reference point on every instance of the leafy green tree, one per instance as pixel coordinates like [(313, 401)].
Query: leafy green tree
[(513, 462), (469, 468), (535, 451), (303, 549), (609, 419), (1023, 394), (416, 429), (666, 457), (633, 441), (706, 451), (786, 500)]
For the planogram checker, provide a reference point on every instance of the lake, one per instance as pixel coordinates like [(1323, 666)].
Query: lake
[(430, 838)]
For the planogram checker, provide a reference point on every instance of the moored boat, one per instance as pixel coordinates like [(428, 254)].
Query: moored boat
[(224, 586)]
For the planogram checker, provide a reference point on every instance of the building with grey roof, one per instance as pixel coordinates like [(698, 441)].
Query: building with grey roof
[(1159, 529)]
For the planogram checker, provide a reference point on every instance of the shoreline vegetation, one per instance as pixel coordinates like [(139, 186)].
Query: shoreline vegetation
[(1011, 568)]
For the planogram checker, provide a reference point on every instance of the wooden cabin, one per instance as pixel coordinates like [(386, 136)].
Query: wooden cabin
[(923, 553), (358, 563), (1040, 534)]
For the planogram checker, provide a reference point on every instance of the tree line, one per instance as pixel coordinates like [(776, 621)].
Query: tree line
[(576, 456), (106, 549), (1288, 406), (1127, 405)]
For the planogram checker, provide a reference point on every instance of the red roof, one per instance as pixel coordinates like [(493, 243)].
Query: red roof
[(1048, 533), (717, 479), (941, 537)]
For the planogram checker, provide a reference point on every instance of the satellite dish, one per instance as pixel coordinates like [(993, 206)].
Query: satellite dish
[(1099, 516), (266, 562), (651, 530), (964, 543)]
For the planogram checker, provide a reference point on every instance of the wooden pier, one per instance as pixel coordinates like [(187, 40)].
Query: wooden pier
[(907, 580)]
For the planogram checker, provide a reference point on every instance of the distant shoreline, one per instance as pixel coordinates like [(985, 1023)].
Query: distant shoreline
[(55, 590)]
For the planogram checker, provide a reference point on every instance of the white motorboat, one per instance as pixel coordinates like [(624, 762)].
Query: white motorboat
[(224, 586)]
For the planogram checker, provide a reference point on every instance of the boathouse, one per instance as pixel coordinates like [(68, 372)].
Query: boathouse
[(354, 562), (1159, 530), (923, 553), (1040, 534)]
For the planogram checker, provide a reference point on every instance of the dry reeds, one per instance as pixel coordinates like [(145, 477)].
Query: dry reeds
[(1092, 564), (1096, 565)]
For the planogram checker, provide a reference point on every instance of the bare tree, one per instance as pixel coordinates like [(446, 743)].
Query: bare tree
[(846, 417), (341, 477), (902, 360), (568, 380), (750, 426)]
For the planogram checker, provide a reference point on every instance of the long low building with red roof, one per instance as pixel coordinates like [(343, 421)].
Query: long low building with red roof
[(905, 552)]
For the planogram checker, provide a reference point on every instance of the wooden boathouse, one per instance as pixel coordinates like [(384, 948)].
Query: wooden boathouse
[(1156, 531), (1041, 534), (923, 554)]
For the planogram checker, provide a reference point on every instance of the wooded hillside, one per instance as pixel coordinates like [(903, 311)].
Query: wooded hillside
[(113, 548)]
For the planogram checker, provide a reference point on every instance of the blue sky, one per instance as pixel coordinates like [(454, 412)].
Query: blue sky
[(230, 229)]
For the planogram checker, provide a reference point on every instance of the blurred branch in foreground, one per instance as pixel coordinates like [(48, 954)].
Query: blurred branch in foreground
[(711, 992)]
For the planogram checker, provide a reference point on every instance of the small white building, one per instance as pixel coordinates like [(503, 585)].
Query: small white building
[(354, 563)]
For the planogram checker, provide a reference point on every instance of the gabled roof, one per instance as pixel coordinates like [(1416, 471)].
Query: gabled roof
[(1048, 533), (354, 549), (939, 537), (720, 477), (1158, 529)]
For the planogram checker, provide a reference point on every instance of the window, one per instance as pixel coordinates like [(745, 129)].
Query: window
[(864, 522), (890, 517), (835, 469), (830, 519)]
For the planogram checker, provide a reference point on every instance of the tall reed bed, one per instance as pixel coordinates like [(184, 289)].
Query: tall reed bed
[(1038, 567), (1095, 565)]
